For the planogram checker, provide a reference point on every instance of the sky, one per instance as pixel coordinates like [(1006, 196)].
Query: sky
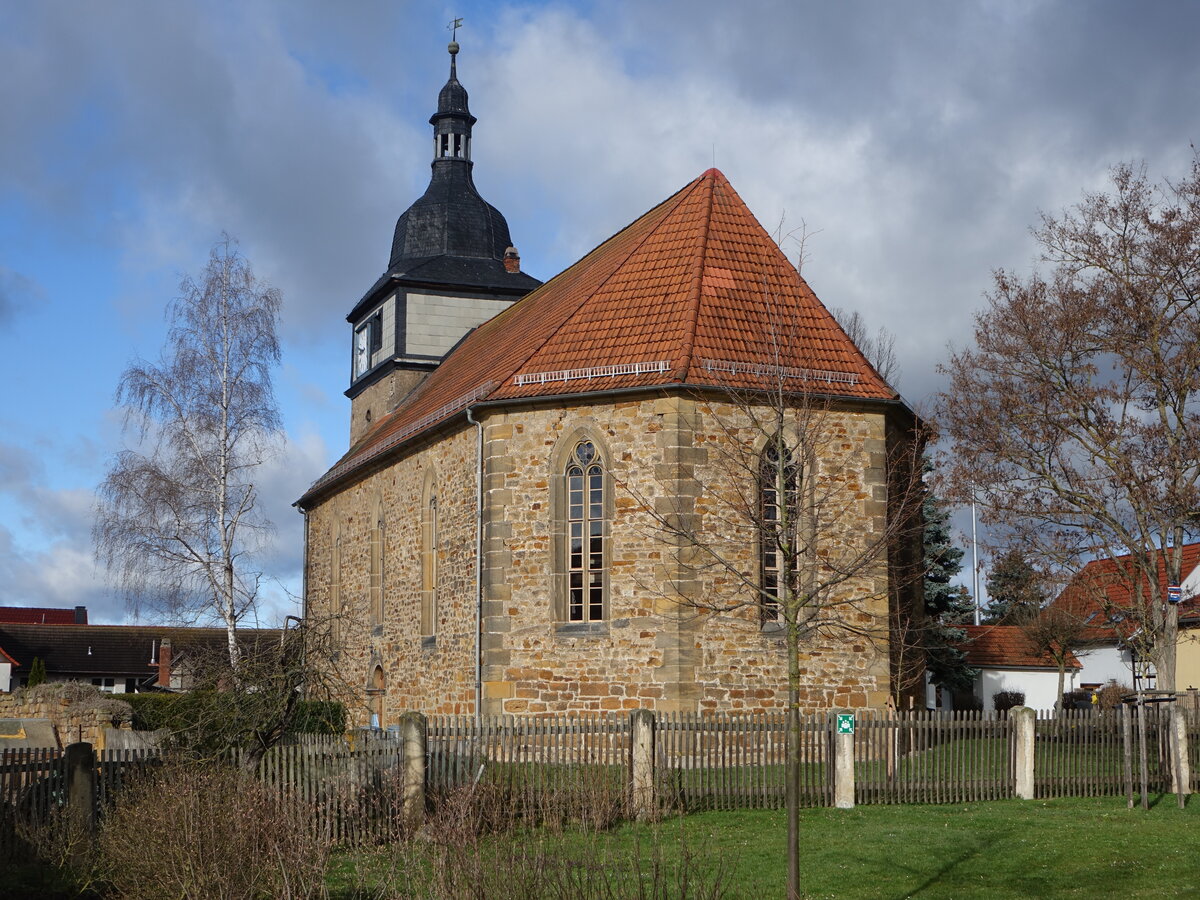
[(915, 144)]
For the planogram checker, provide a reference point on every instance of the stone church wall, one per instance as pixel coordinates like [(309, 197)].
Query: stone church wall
[(661, 644), (430, 674)]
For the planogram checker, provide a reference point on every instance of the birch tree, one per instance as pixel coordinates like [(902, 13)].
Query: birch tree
[(179, 518), (1075, 417)]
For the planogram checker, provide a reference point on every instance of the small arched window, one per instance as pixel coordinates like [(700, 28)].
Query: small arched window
[(779, 504), (585, 534)]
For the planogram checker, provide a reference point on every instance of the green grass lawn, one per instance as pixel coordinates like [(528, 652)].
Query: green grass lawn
[(1004, 849)]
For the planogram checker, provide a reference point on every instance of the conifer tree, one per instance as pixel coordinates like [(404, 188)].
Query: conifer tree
[(37, 672), (946, 604), (1015, 593)]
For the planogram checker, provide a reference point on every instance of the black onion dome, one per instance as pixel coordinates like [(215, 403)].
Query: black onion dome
[(450, 219)]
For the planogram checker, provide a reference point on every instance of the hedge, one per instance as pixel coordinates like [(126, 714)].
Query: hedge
[(183, 711)]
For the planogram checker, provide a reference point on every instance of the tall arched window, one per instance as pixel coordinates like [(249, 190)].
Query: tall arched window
[(429, 559), (375, 586), (585, 534), (337, 629), (779, 498)]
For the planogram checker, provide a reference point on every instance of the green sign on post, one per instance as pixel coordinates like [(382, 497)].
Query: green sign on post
[(845, 723)]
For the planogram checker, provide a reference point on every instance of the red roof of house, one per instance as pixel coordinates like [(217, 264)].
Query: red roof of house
[(1004, 646), (1102, 594), (43, 615), (9, 658), (695, 292)]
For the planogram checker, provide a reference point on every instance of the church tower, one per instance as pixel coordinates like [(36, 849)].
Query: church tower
[(452, 267)]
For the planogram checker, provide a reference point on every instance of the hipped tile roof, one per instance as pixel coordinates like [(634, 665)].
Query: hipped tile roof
[(1005, 646), (694, 292), (1102, 594)]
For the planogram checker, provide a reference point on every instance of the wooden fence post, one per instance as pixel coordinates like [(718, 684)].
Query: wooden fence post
[(843, 767), (80, 763), (1023, 720), (412, 734), (1181, 771), (641, 763)]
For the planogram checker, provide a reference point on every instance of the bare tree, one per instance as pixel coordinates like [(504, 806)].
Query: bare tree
[(1053, 632), (795, 529), (879, 348), (179, 518), (1074, 419)]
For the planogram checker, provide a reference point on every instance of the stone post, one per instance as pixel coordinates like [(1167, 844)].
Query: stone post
[(1023, 718), (412, 734), (843, 767), (80, 763), (641, 763), (1183, 764)]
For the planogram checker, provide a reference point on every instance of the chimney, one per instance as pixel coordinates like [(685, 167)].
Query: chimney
[(164, 663), (81, 615), (512, 261)]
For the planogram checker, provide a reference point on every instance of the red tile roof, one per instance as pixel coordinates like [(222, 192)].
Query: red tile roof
[(1102, 594), (695, 292), (41, 615), (1004, 646)]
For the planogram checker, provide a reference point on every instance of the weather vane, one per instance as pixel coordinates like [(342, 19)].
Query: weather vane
[(454, 26)]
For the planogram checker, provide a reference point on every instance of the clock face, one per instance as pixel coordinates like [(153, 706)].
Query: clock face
[(361, 355)]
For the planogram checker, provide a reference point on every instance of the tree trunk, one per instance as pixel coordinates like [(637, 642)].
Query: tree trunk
[(793, 759)]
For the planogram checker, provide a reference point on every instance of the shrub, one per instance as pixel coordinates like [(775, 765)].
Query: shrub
[(1110, 695), (1003, 701), (209, 831), (1077, 699), (319, 717)]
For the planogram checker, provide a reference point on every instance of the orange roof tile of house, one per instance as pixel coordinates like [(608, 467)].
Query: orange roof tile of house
[(1102, 596), (695, 292), (1005, 646)]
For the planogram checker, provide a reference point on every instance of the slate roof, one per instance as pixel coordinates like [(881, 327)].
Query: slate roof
[(43, 615), (1005, 646), (695, 293), (1101, 591), (108, 650)]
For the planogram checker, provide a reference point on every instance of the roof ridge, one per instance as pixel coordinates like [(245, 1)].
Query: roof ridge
[(677, 197), (698, 279)]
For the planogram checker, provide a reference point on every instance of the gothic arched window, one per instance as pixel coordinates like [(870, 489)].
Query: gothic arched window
[(779, 498), (429, 559), (585, 534)]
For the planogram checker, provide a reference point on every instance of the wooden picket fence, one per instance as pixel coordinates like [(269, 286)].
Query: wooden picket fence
[(352, 790), (932, 757), (738, 761)]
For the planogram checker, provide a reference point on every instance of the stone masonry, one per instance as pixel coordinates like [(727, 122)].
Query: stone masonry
[(679, 631)]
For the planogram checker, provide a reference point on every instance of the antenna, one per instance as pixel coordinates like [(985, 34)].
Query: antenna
[(453, 27)]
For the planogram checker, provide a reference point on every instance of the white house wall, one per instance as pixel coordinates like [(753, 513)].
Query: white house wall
[(1104, 664), (1040, 686)]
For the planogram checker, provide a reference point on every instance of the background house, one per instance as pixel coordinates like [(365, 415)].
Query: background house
[(1100, 598), (1007, 662), (118, 659)]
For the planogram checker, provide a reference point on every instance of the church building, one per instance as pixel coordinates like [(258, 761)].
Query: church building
[(538, 511)]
